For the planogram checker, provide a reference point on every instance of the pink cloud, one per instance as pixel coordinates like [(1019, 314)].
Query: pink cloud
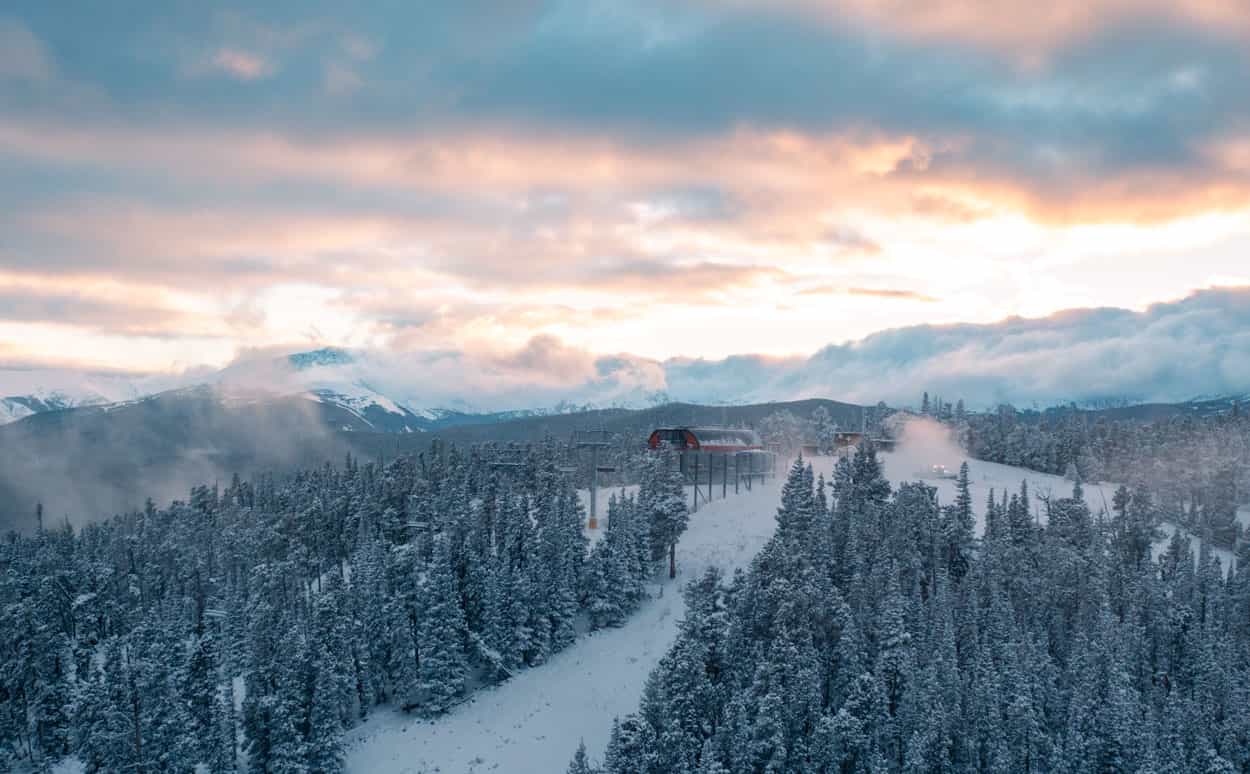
[(243, 65), (1021, 28)]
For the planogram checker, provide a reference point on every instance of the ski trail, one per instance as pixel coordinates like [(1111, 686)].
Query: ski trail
[(532, 723)]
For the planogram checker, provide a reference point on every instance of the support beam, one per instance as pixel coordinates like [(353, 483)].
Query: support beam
[(594, 488)]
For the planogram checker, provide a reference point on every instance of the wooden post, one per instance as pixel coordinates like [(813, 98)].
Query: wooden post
[(724, 478), (737, 472)]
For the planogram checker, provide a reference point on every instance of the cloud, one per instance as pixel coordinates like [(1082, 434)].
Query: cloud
[(243, 65), (908, 295), (878, 293), (1169, 352), (341, 78), (77, 309), (1173, 351), (1100, 115), (549, 357), (23, 57), (678, 281), (541, 373), (595, 171), (997, 23)]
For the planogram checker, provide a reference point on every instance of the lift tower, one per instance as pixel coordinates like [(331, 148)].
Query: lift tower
[(594, 440)]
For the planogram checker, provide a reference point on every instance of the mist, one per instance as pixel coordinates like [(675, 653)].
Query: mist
[(89, 464), (921, 444)]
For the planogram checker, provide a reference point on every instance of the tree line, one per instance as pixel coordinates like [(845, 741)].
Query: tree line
[(1197, 468)]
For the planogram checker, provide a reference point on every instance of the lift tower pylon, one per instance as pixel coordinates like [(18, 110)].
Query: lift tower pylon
[(593, 440)]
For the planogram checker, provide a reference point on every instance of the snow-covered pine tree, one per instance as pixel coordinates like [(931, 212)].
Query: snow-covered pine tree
[(442, 667), (661, 497), (580, 764)]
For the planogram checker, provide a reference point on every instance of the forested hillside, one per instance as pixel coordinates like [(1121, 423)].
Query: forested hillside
[(89, 463), (876, 633), (255, 623), (1196, 467)]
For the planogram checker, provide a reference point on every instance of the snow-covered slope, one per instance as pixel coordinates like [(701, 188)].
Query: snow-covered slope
[(332, 376), (986, 476), (26, 391), (534, 721)]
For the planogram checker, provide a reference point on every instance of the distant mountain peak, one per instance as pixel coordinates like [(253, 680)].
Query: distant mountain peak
[(321, 357)]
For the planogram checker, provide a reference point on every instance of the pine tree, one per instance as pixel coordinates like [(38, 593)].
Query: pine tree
[(200, 695), (662, 498), (579, 764), (630, 748), (442, 667)]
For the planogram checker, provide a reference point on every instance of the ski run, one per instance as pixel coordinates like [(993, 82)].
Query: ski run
[(533, 722)]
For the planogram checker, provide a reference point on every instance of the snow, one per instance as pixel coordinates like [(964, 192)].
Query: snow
[(11, 411), (68, 765), (54, 388), (534, 721), (82, 599), (924, 444), (926, 448), (1227, 558), (984, 476)]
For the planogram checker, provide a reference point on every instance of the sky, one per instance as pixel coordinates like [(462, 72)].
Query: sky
[(183, 183)]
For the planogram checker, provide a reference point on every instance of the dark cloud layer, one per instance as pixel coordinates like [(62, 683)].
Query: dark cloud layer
[(1143, 92), (517, 168)]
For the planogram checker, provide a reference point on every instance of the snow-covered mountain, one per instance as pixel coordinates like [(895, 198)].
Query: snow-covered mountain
[(406, 394), (419, 392), (18, 406), (24, 391), (361, 384), (1091, 357), (336, 377)]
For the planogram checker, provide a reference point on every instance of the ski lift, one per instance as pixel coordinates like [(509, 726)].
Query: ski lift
[(508, 459), (591, 438)]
